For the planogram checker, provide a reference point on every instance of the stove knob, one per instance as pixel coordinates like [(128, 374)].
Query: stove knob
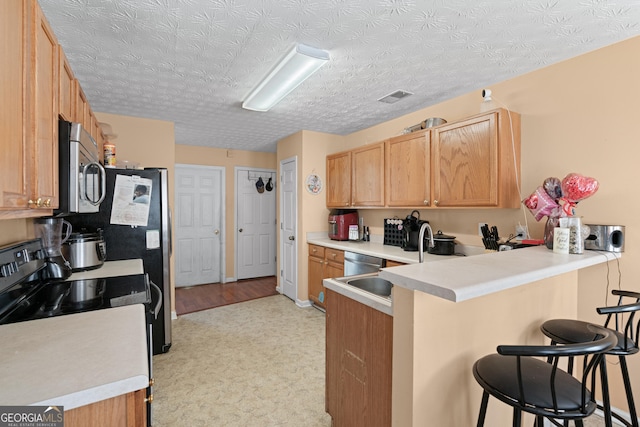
[(8, 269)]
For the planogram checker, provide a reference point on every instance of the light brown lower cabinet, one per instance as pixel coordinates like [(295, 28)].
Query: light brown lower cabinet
[(126, 410), (358, 363), (323, 263)]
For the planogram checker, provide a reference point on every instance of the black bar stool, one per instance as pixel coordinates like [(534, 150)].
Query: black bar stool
[(516, 377), (567, 331)]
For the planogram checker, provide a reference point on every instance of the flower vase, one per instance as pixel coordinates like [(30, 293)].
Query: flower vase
[(552, 222)]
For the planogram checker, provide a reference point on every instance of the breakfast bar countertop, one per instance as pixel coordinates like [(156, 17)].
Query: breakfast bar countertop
[(462, 278)]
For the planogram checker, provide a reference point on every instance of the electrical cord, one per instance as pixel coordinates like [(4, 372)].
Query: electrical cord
[(515, 164)]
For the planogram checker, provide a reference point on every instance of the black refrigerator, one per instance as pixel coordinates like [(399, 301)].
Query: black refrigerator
[(135, 221)]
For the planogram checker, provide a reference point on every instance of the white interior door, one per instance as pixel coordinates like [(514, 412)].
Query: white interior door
[(288, 227), (255, 224), (199, 224)]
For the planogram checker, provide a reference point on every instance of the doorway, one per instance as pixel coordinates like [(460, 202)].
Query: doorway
[(255, 223), (199, 224), (288, 228)]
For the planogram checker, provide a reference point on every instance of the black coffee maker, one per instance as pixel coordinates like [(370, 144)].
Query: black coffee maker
[(411, 232)]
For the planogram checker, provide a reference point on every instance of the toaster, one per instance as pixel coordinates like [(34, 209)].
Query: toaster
[(608, 238)]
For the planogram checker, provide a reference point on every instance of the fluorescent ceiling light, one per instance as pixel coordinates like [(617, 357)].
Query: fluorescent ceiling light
[(300, 63)]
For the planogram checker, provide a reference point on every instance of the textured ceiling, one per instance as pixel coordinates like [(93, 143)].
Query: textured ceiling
[(192, 62)]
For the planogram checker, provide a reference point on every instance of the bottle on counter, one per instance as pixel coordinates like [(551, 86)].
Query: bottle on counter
[(109, 154)]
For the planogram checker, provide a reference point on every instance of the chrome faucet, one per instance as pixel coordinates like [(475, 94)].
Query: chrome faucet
[(421, 240)]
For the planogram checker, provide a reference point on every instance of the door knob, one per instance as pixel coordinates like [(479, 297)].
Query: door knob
[(216, 231), (240, 230), (292, 238)]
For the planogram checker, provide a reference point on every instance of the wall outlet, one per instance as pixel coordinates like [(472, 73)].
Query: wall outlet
[(521, 232), (480, 225)]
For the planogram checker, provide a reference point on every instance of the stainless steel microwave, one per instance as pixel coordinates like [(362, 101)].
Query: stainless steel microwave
[(82, 178)]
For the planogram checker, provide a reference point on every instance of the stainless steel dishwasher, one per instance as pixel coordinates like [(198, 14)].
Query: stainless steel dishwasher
[(355, 263)]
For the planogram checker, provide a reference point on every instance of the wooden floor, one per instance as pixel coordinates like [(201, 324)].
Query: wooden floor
[(203, 297)]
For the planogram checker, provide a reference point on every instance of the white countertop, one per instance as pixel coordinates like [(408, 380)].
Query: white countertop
[(394, 253), (127, 267), (74, 360), (462, 278), (459, 278)]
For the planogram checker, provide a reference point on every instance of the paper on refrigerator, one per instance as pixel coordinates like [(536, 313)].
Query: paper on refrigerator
[(131, 197)]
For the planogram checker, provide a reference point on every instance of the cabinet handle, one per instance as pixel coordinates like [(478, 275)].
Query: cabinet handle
[(426, 203), (38, 202), (152, 382), (149, 399), (435, 202)]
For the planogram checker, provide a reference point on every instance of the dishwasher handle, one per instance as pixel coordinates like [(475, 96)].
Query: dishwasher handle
[(366, 264)]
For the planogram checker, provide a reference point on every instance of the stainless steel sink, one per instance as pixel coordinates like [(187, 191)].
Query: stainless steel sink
[(375, 285)]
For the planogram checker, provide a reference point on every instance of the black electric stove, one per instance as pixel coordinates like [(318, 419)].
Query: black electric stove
[(25, 295)]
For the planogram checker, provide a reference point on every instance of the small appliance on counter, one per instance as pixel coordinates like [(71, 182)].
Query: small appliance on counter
[(608, 238), (85, 250), (411, 231), (340, 221), (54, 232)]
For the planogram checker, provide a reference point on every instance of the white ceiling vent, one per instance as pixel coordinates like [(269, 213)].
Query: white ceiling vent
[(395, 96)]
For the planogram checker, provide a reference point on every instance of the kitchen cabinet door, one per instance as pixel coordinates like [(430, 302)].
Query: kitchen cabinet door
[(408, 170), (66, 95), (339, 180), (476, 162), (358, 363), (29, 123), (44, 84), (126, 410), (367, 175), (96, 133), (316, 274), (14, 187), (81, 114)]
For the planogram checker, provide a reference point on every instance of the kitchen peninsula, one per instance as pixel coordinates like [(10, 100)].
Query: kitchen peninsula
[(449, 313)]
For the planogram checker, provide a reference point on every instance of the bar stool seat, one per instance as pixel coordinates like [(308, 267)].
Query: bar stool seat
[(620, 320), (517, 377)]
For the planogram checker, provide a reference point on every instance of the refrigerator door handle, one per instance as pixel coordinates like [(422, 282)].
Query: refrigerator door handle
[(169, 232), (155, 289)]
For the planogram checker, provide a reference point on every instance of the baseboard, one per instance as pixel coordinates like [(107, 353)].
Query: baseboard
[(303, 304)]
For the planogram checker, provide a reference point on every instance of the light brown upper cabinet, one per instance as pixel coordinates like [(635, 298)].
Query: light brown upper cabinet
[(44, 84), (355, 178), (476, 162), (14, 179), (81, 113), (408, 170), (29, 124), (367, 175), (66, 85), (339, 180)]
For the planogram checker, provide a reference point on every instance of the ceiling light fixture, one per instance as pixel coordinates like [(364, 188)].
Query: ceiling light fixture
[(300, 63)]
